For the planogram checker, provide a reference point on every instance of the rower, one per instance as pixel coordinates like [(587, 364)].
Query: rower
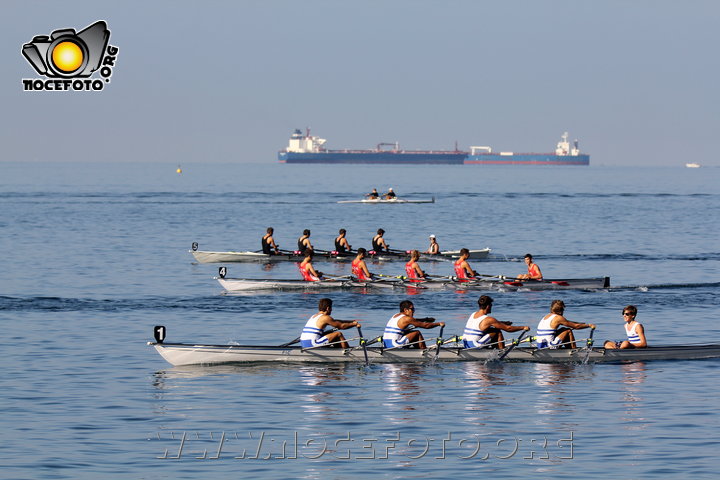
[(359, 269), (378, 242), (307, 270), (634, 331), (534, 272), (269, 247), (434, 248), (556, 331), (398, 331), (341, 243), (413, 270), (374, 195), (390, 195), (482, 330), (463, 272), (303, 242), (314, 334)]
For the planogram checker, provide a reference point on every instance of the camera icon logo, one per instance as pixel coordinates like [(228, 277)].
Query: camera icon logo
[(67, 53)]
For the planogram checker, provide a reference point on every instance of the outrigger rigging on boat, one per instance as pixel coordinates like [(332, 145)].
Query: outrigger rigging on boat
[(444, 350), (436, 283), (296, 256)]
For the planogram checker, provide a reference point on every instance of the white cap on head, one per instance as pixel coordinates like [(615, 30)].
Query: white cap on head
[(390, 189), (432, 236)]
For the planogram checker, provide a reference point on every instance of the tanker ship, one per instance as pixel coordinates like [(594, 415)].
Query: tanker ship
[(305, 148)]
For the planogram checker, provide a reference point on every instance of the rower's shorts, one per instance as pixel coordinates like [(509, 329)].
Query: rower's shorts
[(397, 342), (315, 342), (477, 343)]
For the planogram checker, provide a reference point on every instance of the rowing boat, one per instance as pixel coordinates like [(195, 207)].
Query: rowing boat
[(197, 354), (291, 256), (445, 283), (388, 200)]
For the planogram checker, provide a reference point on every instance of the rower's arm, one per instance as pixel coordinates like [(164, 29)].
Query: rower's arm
[(575, 325), (425, 323), (641, 333), (507, 326), (341, 325)]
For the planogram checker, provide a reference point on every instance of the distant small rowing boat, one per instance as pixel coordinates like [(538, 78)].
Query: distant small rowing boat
[(200, 354), (289, 256), (389, 200), (451, 283)]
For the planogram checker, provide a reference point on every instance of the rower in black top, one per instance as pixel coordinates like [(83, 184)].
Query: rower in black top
[(378, 242), (341, 243), (374, 195), (303, 242), (268, 243)]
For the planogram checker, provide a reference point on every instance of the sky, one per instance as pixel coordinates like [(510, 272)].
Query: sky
[(635, 81)]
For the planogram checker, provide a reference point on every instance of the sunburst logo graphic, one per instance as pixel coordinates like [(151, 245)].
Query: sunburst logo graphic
[(69, 56)]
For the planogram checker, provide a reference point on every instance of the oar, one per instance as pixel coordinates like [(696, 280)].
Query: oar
[(363, 343), (438, 342), (515, 343), (338, 277)]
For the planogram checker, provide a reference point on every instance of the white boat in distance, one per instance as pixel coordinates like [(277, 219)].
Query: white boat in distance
[(178, 354), (388, 200), (291, 256)]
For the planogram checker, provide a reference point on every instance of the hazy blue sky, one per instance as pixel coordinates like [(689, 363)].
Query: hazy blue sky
[(227, 81)]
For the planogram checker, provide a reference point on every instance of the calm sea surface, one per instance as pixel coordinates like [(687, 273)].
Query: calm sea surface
[(95, 255)]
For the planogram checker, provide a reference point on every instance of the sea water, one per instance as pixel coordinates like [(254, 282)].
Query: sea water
[(95, 255)]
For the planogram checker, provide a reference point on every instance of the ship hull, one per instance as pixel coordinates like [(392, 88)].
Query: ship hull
[(375, 158), (526, 159), (430, 158)]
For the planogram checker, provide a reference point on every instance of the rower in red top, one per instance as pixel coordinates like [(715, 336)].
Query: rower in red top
[(359, 269), (307, 270), (412, 269), (463, 272), (534, 272)]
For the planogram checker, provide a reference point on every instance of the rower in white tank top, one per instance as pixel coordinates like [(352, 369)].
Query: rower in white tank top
[(311, 335), (545, 337), (472, 336)]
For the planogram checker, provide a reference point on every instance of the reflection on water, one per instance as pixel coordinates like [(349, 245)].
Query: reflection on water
[(634, 375), (404, 384), (482, 399), (552, 380)]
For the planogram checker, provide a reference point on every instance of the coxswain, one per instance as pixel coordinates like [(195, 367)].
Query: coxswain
[(463, 272), (303, 242), (341, 243), (268, 243), (307, 270), (314, 334), (374, 195), (556, 331), (378, 242), (390, 195), (482, 330), (398, 332), (634, 331), (534, 272), (359, 269), (434, 248), (413, 270)]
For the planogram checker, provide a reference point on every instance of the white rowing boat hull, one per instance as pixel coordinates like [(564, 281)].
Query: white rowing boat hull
[(187, 354), (250, 284), (394, 200)]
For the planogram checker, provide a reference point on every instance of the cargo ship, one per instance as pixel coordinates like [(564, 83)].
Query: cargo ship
[(305, 148)]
